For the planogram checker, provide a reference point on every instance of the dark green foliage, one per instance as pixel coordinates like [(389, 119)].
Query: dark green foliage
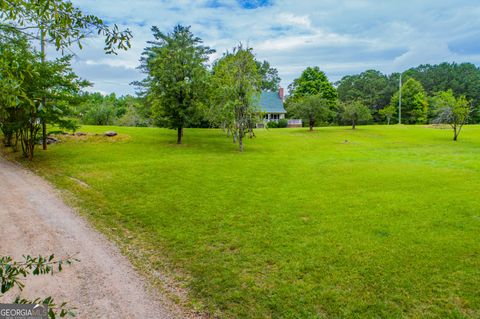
[(100, 114), (12, 274), (177, 77), (272, 124), (58, 23), (313, 109), (34, 91), (61, 23), (451, 110), (388, 113), (355, 112), (98, 109), (270, 78), (312, 81), (371, 87), (414, 102), (462, 79), (16, 67), (133, 117), (376, 89), (282, 123), (236, 88)]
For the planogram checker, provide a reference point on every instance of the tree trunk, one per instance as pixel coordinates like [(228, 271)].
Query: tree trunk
[(311, 124), (15, 143), (179, 134), (388, 121), (44, 133), (240, 139), (7, 139), (353, 124), (44, 100), (455, 134)]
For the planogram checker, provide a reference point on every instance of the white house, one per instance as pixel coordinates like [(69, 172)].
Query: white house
[(271, 104)]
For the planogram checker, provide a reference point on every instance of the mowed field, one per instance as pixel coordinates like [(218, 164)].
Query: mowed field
[(380, 222)]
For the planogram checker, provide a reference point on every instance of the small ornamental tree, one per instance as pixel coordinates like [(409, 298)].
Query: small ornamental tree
[(451, 110), (177, 77), (237, 84), (388, 112), (312, 108), (355, 112)]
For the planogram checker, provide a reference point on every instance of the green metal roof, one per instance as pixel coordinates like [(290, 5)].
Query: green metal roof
[(270, 102)]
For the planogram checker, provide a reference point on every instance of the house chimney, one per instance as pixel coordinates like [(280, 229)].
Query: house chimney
[(281, 94)]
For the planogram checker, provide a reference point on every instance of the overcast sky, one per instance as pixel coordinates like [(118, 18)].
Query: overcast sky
[(340, 36)]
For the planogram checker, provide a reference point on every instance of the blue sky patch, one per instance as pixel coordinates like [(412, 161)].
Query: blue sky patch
[(254, 4), (341, 37)]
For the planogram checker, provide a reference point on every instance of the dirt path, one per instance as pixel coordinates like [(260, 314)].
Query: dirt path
[(33, 220)]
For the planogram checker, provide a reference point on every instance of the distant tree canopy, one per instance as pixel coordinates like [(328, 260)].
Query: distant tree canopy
[(371, 87), (462, 79), (98, 109), (312, 81), (270, 78), (414, 102), (376, 89)]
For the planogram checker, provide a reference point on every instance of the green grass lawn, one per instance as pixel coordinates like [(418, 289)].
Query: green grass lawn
[(381, 222)]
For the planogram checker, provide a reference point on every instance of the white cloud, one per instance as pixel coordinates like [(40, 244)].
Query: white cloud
[(288, 18), (340, 36)]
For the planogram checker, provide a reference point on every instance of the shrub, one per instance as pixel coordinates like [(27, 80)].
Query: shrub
[(282, 123), (272, 124), (102, 114), (132, 118)]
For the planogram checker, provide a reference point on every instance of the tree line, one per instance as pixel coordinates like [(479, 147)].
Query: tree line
[(369, 97), (183, 91), (36, 91), (184, 88), (204, 98), (379, 91)]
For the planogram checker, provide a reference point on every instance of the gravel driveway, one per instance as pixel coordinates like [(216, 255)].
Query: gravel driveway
[(34, 220)]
